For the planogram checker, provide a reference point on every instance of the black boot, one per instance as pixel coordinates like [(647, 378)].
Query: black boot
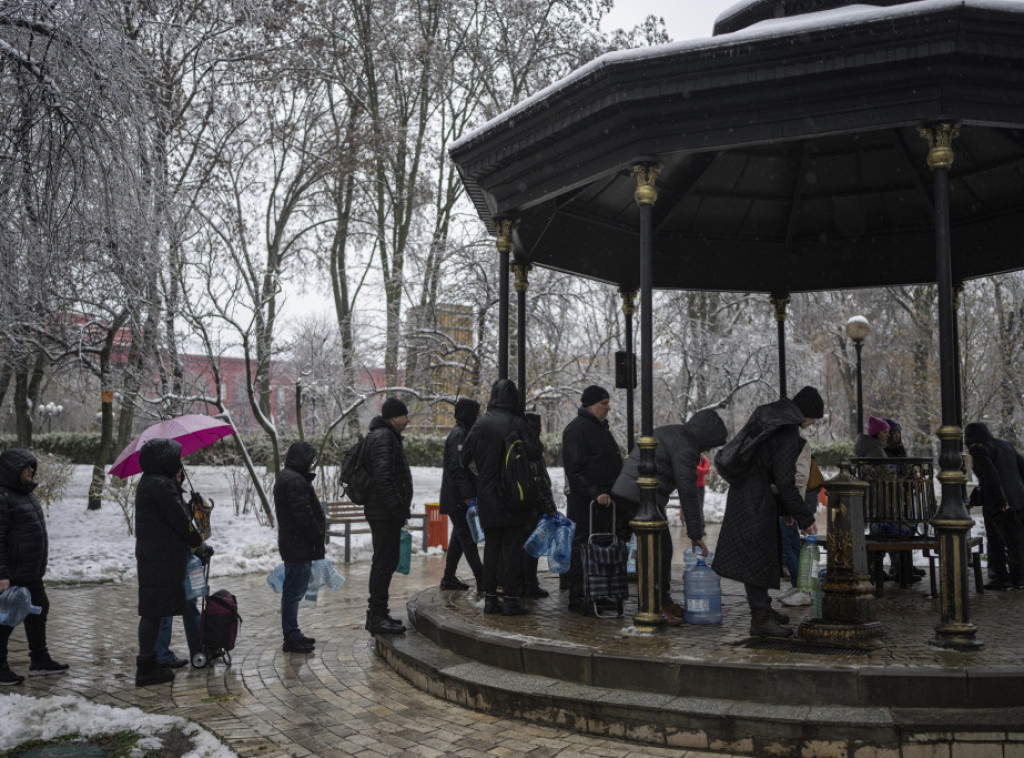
[(147, 672), (492, 604), (513, 606), (376, 624), (763, 624)]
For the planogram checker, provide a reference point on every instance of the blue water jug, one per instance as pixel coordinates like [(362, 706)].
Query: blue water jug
[(276, 578), (15, 605), (195, 579), (329, 576), (703, 589), (404, 552), (692, 554), (539, 542), (476, 531), (810, 555), (631, 559), (560, 554), (819, 593)]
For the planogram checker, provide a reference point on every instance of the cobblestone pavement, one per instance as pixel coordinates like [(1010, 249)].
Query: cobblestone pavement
[(340, 701)]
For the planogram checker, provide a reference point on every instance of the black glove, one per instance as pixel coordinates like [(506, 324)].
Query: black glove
[(203, 553)]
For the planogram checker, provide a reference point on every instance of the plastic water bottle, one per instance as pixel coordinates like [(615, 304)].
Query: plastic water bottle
[(561, 548), (476, 531), (819, 593), (693, 554), (330, 576), (309, 599), (810, 554), (631, 560), (539, 542), (703, 589), (195, 579), (276, 578), (404, 552), (15, 605)]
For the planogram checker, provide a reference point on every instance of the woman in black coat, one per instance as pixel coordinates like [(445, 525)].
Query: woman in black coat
[(24, 550), (164, 536), (458, 489)]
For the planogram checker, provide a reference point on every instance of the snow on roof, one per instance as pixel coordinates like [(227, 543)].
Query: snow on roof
[(763, 30)]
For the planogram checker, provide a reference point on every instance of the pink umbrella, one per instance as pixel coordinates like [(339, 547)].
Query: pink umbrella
[(193, 431)]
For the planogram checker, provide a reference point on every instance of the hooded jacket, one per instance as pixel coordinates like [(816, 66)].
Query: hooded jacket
[(24, 546), (484, 448), (867, 446), (390, 497), (164, 532), (458, 484), (301, 521), (677, 457), (998, 467)]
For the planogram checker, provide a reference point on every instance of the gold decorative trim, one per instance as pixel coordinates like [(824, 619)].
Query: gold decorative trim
[(948, 432), (522, 270), (953, 524), (648, 526), (940, 141), (951, 476), (646, 177), (505, 228), (857, 636), (628, 302), (647, 443), (647, 482), (780, 304)]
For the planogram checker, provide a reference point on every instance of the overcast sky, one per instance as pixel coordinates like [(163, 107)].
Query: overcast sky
[(685, 19)]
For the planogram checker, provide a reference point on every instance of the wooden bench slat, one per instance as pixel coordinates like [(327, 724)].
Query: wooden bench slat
[(351, 519)]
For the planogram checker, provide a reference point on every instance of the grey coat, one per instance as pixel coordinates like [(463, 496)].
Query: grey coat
[(748, 545)]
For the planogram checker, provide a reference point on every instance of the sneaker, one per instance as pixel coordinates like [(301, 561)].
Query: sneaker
[(384, 625), (50, 666), (454, 584), (8, 677), (306, 640), (173, 663), (297, 646), (798, 598), (788, 591)]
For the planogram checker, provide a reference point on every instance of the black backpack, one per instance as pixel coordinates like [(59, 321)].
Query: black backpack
[(517, 478), (355, 479), (733, 460)]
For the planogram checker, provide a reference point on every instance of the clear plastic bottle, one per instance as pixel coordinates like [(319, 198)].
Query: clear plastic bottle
[(276, 578), (195, 579), (703, 589), (539, 541), (810, 555), (819, 593), (476, 531), (692, 554), (631, 560), (15, 605), (331, 578)]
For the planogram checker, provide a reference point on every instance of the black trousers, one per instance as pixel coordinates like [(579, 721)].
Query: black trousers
[(503, 558), (386, 534), (35, 625), (149, 628), (461, 544), (580, 514), (1006, 545)]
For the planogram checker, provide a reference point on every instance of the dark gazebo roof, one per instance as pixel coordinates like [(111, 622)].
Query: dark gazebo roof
[(790, 153)]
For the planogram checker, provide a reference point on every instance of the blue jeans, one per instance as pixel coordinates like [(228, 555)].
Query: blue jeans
[(190, 620), (296, 580), (790, 549)]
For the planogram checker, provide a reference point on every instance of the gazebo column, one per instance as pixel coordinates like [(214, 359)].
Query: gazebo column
[(628, 309), (952, 522), (522, 270), (648, 523), (958, 393), (504, 245), (781, 301)]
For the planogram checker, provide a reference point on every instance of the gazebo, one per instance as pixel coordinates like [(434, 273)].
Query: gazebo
[(808, 145)]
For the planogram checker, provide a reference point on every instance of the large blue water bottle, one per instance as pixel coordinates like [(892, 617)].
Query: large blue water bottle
[(15, 605), (560, 555), (631, 556), (810, 555), (476, 531), (276, 578), (692, 554), (539, 542), (703, 589), (195, 578)]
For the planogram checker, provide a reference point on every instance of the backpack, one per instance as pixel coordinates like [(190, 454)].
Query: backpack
[(733, 460), (218, 624), (355, 479), (517, 483)]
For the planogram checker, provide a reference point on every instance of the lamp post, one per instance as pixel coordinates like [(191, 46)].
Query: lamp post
[(857, 328), (49, 410)]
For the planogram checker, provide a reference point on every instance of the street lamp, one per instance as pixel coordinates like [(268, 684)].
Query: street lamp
[(857, 328), (49, 410)]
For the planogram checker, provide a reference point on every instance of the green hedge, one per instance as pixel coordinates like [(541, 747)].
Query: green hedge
[(829, 456)]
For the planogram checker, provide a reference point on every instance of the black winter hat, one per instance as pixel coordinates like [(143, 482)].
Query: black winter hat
[(593, 394), (809, 401), (977, 433), (393, 408)]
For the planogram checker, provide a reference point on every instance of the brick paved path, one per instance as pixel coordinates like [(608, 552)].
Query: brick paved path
[(340, 701)]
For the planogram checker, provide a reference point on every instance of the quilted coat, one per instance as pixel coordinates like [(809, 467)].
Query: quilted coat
[(301, 521), (24, 547), (390, 497)]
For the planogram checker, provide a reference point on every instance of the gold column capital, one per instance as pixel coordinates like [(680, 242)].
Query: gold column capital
[(949, 432), (646, 177), (780, 302), (522, 270), (628, 302), (958, 290), (505, 228), (940, 143)]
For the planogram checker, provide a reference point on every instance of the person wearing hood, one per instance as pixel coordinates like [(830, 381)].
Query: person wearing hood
[(872, 444), (894, 448), (545, 504), (506, 527), (458, 492), (680, 448), (387, 508), (24, 549), (301, 537), (999, 469), (766, 488), (592, 461), (164, 536)]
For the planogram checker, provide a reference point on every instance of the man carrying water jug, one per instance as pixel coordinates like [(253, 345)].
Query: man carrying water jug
[(762, 474), (677, 456), (23, 553)]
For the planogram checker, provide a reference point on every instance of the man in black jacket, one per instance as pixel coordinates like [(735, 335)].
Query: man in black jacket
[(24, 549), (999, 469), (387, 508), (458, 490), (592, 461), (506, 527), (301, 536)]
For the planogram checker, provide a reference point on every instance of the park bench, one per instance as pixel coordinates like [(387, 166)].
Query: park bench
[(898, 508), (345, 519)]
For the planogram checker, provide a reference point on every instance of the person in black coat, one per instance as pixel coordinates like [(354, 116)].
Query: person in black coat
[(544, 503), (164, 536), (999, 469), (505, 527), (387, 508), (677, 457), (592, 461), (301, 536), (24, 550), (748, 544), (458, 491)]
